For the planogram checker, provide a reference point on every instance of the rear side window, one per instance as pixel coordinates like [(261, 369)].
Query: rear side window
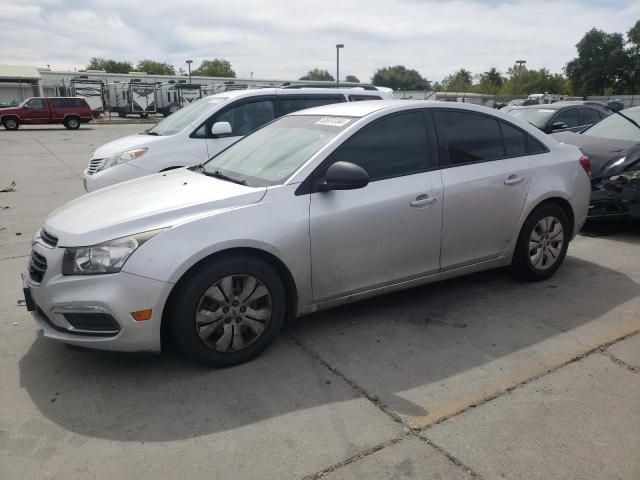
[(68, 102), (470, 137), (391, 147), (360, 98), (515, 140), (534, 146), (589, 116), (289, 104)]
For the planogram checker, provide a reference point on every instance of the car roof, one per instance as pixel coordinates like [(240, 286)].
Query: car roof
[(253, 92), (362, 109)]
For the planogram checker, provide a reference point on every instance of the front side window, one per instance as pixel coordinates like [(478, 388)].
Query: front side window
[(470, 137), (391, 147), (35, 104), (272, 154), (293, 104), (568, 117), (184, 117), (247, 117)]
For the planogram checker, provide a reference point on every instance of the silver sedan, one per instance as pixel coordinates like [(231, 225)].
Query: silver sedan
[(316, 209)]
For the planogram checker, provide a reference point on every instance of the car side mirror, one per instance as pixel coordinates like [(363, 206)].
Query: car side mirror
[(25, 107), (345, 176), (558, 126), (220, 129)]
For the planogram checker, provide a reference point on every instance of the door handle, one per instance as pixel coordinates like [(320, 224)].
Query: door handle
[(513, 180), (422, 200)]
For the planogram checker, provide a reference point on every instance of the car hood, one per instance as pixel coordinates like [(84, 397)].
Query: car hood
[(605, 153), (148, 203), (5, 110), (130, 142)]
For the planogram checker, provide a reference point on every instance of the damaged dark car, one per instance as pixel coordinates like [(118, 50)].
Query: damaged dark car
[(613, 145)]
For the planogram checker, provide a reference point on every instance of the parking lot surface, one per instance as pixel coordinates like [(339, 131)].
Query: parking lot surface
[(482, 376)]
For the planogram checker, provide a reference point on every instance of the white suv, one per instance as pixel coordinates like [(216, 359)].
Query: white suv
[(199, 131)]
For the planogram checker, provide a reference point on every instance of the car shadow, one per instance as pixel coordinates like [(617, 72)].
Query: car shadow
[(627, 231), (409, 339), (31, 128)]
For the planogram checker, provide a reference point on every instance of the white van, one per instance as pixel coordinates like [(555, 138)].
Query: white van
[(199, 131)]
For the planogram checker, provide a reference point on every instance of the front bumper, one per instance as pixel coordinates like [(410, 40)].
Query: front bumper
[(66, 306), (111, 176)]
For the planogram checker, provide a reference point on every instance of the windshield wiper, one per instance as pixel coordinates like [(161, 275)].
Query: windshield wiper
[(222, 176), (147, 132)]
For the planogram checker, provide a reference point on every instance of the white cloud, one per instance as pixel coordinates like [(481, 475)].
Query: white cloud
[(283, 39)]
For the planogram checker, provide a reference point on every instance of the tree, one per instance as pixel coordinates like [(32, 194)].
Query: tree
[(217, 67), (603, 64), (318, 75), (633, 38), (399, 78), (153, 67), (109, 66), (490, 81), (352, 79), (460, 81)]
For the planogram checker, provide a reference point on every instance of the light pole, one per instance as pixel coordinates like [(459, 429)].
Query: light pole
[(338, 47), (189, 62), (520, 63)]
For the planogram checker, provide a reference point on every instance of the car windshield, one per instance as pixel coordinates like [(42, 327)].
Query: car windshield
[(617, 127), (273, 153), (538, 117), (183, 117)]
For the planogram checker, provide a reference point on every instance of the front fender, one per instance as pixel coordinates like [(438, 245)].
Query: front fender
[(278, 225)]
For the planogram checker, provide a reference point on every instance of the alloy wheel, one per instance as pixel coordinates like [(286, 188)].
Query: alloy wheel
[(545, 243), (233, 313)]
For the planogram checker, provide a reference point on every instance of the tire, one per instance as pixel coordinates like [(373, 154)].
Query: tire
[(122, 114), (228, 330), (144, 115), (72, 123), (11, 123), (538, 253)]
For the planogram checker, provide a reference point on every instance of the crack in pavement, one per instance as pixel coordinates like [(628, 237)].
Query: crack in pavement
[(420, 432), (409, 429), (55, 156)]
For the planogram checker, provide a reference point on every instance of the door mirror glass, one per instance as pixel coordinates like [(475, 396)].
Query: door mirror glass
[(221, 128), (345, 176), (558, 126)]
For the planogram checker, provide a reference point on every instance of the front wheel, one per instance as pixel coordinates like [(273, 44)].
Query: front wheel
[(542, 244), (10, 123), (228, 310)]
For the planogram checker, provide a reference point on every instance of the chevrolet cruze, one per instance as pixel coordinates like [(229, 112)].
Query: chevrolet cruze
[(318, 208)]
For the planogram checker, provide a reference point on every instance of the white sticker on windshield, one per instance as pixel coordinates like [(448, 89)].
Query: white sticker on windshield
[(333, 121), (546, 110)]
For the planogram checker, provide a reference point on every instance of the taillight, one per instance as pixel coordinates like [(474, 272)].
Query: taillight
[(586, 164)]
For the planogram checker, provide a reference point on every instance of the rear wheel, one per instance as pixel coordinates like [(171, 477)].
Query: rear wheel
[(542, 244), (72, 123), (11, 123), (228, 311)]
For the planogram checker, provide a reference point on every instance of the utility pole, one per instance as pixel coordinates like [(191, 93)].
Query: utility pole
[(338, 47), (520, 63), (189, 62)]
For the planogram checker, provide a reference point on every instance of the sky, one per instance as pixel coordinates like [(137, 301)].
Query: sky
[(283, 39)]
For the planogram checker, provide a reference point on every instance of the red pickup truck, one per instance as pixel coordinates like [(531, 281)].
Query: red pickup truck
[(70, 111)]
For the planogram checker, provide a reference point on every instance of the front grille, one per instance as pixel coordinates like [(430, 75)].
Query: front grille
[(47, 238), (37, 266), (95, 165)]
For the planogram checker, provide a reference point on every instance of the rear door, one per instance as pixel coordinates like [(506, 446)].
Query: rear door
[(486, 173), (388, 231)]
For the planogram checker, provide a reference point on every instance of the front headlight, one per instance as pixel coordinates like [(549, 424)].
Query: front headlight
[(107, 257), (123, 157)]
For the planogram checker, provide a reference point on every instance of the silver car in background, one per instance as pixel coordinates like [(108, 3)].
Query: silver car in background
[(316, 209)]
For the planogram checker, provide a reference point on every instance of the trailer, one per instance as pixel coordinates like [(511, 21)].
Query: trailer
[(134, 97), (167, 98), (188, 92), (91, 90)]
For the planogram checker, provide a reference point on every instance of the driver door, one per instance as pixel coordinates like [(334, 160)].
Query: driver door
[(388, 231), (35, 112)]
